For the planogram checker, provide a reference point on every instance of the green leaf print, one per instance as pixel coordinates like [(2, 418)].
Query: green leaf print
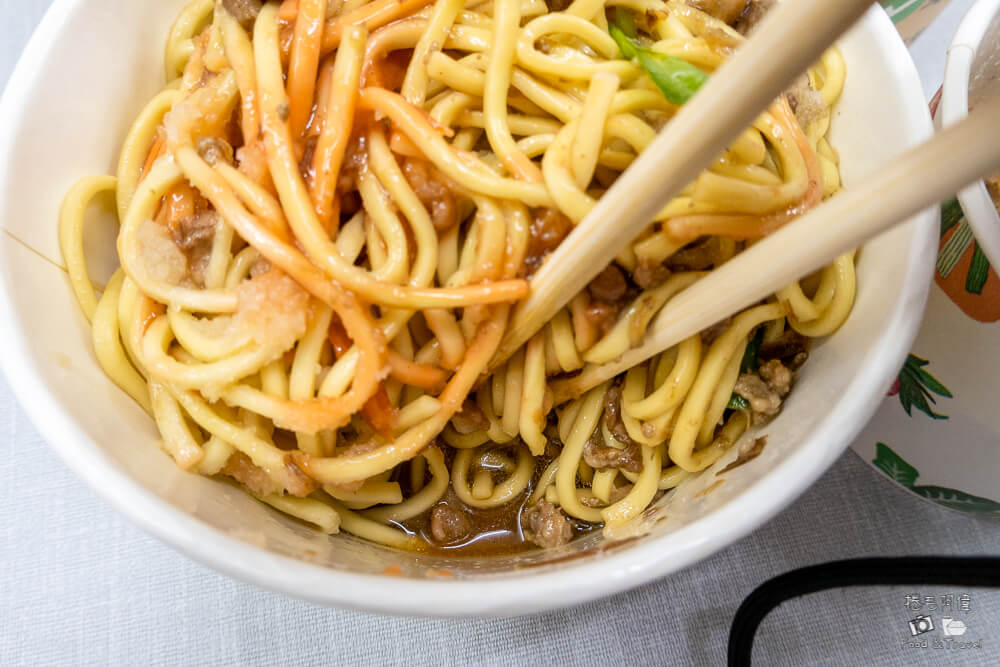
[(894, 466), (951, 215), (898, 470), (901, 9), (958, 500), (916, 388), (979, 271)]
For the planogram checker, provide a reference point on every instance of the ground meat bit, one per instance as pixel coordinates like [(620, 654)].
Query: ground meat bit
[(726, 10), (214, 150), (433, 191), (602, 457), (609, 286), (602, 315), (558, 5), (806, 103), (765, 389), (194, 236), (244, 11), (552, 447), (548, 229), (787, 347), (764, 401), (752, 15), (613, 415), (650, 274), (776, 376), (449, 525), (547, 526), (195, 230), (470, 419), (242, 469), (698, 257)]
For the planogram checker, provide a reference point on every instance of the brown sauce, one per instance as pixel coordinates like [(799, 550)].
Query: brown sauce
[(495, 531)]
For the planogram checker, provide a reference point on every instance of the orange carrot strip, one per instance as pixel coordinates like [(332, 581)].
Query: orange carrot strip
[(373, 15), (155, 151), (304, 64), (344, 75), (427, 377), (377, 410), (380, 413)]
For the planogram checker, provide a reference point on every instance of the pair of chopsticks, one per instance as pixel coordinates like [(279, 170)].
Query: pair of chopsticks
[(793, 36)]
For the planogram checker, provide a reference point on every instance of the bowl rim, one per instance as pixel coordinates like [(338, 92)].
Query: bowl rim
[(509, 594), (975, 199)]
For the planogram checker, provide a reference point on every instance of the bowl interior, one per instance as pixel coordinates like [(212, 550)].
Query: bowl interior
[(83, 78)]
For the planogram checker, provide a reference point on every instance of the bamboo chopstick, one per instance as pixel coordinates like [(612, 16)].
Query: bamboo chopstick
[(793, 36), (917, 179)]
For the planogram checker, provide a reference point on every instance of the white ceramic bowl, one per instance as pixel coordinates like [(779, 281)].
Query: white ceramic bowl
[(81, 80), (973, 71)]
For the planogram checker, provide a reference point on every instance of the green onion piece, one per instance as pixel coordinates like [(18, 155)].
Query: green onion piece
[(751, 362), (678, 79), (625, 45), (625, 21), (737, 402)]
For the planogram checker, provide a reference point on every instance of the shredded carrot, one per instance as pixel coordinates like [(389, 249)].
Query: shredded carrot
[(336, 126), (305, 54), (425, 376), (378, 410), (380, 413), (338, 338), (155, 151), (373, 15)]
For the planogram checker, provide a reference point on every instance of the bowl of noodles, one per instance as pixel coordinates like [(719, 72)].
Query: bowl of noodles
[(254, 285)]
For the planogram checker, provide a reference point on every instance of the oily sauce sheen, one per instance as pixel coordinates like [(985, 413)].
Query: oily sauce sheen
[(495, 531)]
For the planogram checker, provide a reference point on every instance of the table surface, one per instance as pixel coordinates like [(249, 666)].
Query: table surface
[(79, 585)]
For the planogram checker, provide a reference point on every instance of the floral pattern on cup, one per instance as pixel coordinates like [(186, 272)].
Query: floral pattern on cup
[(901, 472), (950, 376)]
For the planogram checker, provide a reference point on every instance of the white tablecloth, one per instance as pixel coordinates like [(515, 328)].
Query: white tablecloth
[(79, 585)]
